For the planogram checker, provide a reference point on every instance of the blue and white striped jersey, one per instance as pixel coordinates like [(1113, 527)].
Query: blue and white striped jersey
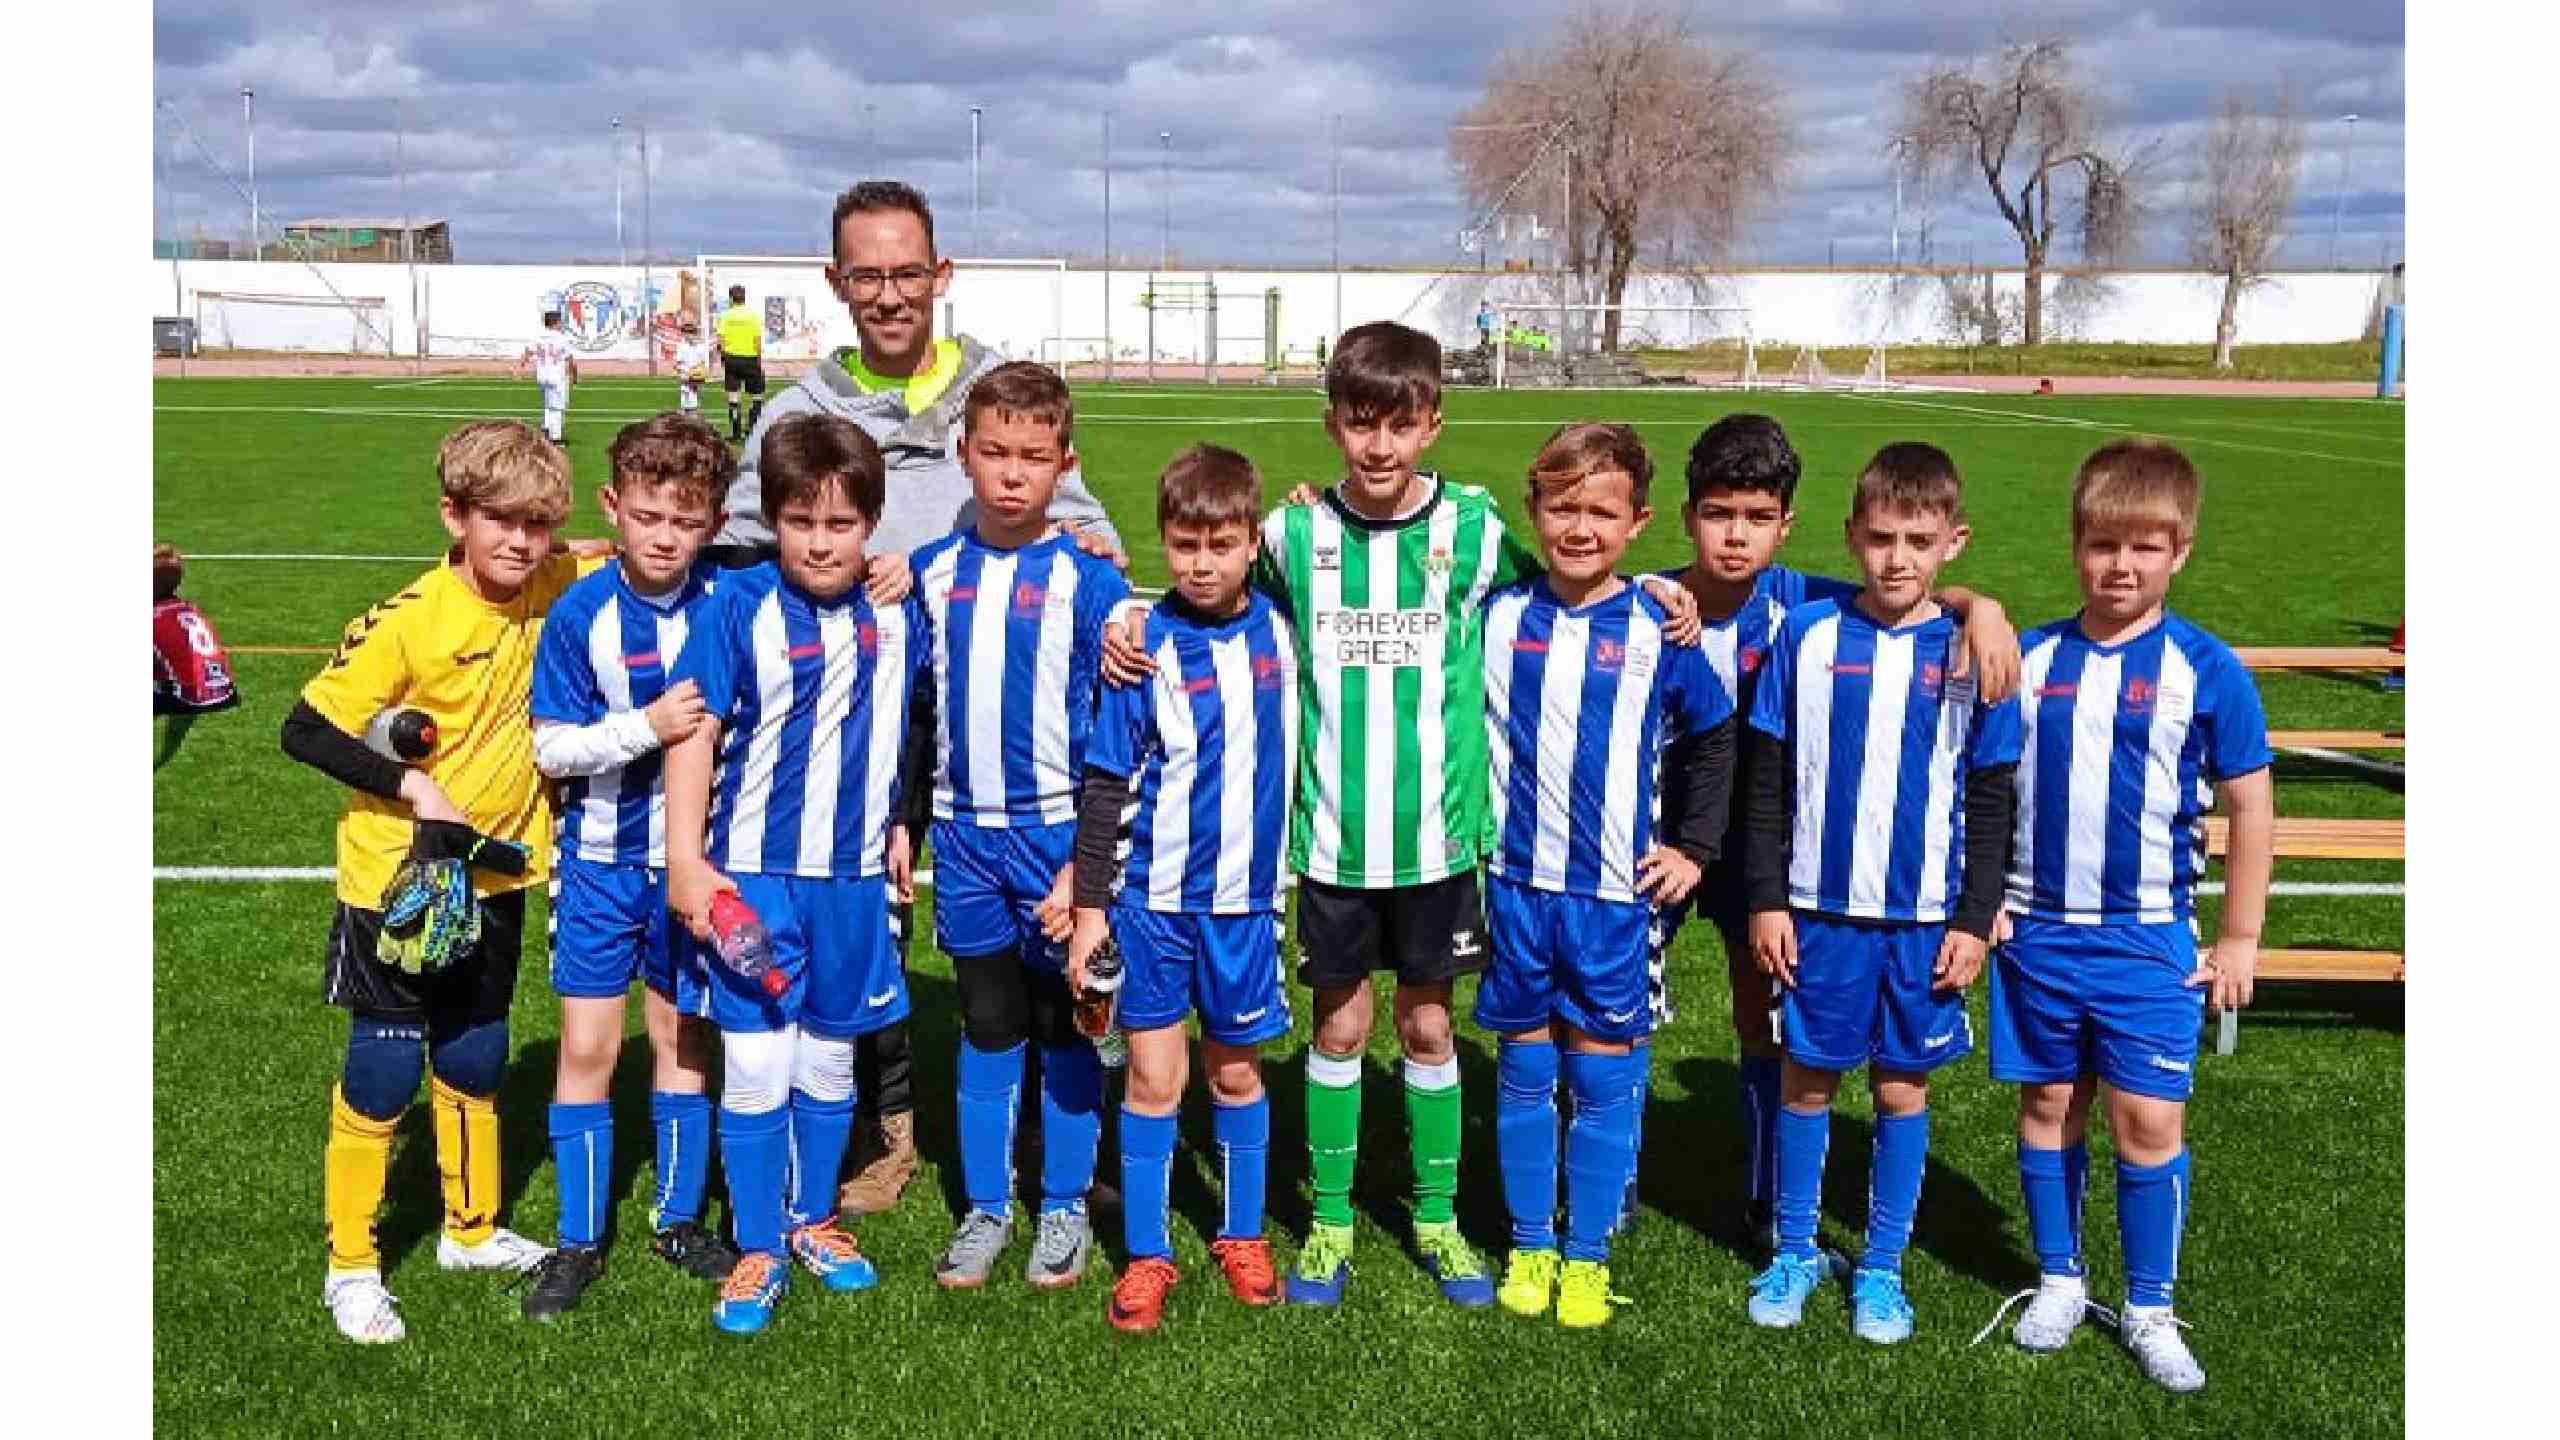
[(1016, 651), (812, 699), (1882, 741), (2123, 746), (1737, 644), (1210, 748), (1579, 703), (606, 649)]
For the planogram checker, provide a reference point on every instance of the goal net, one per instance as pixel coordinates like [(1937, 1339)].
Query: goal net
[(327, 324), (1016, 308), (1560, 345)]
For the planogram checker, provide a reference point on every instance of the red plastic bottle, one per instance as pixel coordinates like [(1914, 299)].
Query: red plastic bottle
[(740, 940)]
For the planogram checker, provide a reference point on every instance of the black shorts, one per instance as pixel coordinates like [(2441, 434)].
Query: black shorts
[(742, 370), (477, 988), (1427, 934)]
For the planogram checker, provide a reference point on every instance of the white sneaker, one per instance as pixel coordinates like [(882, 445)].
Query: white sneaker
[(503, 1250), (2151, 1333), (366, 1312), (2060, 1304)]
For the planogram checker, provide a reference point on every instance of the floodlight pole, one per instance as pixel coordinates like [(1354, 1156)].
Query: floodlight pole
[(1164, 188), (648, 283), (1337, 228), (249, 121), (408, 240), (977, 236), (2338, 214), (1106, 244), (1895, 243), (621, 254)]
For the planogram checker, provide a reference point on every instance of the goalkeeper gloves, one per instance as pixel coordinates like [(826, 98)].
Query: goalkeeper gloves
[(430, 917)]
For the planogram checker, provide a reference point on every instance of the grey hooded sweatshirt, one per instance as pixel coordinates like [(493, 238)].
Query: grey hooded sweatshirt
[(928, 494)]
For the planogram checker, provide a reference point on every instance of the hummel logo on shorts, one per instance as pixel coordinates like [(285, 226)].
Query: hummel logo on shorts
[(1463, 944), (2163, 1062), (1617, 1017), (1249, 1016), (1934, 1041), (883, 998)]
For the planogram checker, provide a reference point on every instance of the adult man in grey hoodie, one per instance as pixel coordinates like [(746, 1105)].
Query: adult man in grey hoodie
[(906, 390)]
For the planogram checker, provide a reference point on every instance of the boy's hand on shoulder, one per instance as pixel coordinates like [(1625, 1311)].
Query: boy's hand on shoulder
[(1959, 960), (2231, 968), (426, 799), (890, 579), (1988, 650), (1125, 661), (675, 715), (1085, 936), (585, 549), (690, 888), (899, 854), (1666, 875), (1773, 945), (1093, 542), (1680, 609), (1056, 912)]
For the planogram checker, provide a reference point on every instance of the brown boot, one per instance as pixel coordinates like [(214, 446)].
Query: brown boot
[(875, 1187)]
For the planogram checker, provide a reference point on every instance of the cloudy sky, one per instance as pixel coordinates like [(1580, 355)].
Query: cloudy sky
[(503, 114)]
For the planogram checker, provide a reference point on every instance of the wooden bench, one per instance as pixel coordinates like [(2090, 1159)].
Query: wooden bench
[(2323, 838), (2320, 657), (2338, 739)]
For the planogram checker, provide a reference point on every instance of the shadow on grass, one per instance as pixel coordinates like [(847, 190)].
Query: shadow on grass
[(2322, 1004)]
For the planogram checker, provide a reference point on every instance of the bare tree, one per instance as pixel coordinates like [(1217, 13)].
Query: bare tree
[(1629, 116), (2028, 124), (2252, 164)]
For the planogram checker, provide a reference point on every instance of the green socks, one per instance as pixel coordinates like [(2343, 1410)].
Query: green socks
[(1432, 1112), (1333, 1131)]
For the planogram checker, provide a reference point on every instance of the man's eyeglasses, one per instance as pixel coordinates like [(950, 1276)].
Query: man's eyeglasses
[(913, 282)]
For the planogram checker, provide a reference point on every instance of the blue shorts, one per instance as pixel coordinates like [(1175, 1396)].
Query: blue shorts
[(1228, 966), (1864, 992), (2071, 1000), (986, 883), (834, 938), (1565, 957), (609, 926)]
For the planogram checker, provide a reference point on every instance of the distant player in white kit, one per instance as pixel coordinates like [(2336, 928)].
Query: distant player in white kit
[(555, 370), (693, 366)]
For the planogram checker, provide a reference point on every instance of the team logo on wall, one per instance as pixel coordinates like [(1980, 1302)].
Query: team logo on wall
[(591, 315)]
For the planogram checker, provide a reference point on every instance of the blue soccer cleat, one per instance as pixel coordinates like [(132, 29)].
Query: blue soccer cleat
[(753, 1289), (1878, 1310), (1454, 1263), (1323, 1268), (1779, 1292), (831, 1255)]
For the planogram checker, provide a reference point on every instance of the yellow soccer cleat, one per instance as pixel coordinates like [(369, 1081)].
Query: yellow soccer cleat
[(1582, 1295), (1529, 1282)]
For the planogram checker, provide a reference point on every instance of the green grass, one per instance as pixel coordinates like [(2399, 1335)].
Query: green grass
[(2342, 360), (2293, 1262)]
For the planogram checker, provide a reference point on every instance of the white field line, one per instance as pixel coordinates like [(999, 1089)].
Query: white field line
[(2074, 420), (1107, 417), (385, 559), (413, 384)]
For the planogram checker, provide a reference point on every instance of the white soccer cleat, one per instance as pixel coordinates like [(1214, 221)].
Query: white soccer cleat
[(2151, 1333), (503, 1250), (366, 1312), (2060, 1304)]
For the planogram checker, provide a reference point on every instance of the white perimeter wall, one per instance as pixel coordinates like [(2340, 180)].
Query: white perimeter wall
[(1024, 311)]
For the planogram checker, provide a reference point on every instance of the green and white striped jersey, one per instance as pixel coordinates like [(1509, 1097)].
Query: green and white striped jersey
[(1391, 748)]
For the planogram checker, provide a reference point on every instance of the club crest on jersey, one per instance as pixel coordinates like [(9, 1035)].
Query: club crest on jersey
[(868, 636), (1030, 598), (1439, 561), (1266, 672), (1608, 656), (2141, 696), (1751, 657), (1933, 678)]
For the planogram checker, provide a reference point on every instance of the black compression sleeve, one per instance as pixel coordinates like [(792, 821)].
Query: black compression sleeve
[(310, 738), (1706, 789), (915, 761), (1989, 796), (1766, 769), (1099, 806)]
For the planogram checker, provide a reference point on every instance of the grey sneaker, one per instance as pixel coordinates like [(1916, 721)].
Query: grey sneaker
[(971, 1256), (2152, 1335), (1061, 1251), (2061, 1302)]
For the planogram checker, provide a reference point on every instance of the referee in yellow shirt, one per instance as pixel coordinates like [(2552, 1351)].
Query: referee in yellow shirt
[(741, 341)]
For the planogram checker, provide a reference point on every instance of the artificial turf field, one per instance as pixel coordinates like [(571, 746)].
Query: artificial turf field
[(2292, 1268)]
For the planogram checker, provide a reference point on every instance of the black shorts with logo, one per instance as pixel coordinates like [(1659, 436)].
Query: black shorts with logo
[(1427, 934), (742, 370), (476, 988)]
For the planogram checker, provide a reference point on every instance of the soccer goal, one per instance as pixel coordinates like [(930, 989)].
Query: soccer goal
[(1017, 308), (1559, 345), (324, 324)]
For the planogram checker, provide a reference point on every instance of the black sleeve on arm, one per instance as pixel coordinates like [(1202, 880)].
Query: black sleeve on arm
[(1706, 790), (1767, 768), (1099, 806), (1989, 796), (915, 759), (311, 739)]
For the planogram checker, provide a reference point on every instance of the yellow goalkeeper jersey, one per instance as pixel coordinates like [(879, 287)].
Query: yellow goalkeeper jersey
[(438, 647)]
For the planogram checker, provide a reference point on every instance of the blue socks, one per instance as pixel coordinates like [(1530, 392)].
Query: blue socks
[(1759, 1095), (1804, 1143), (819, 1130), (2151, 1214), (754, 1150), (1244, 1150), (1070, 1123), (1893, 1188), (2053, 1182), (990, 1087), (681, 1125), (1600, 1148), (1146, 1173), (582, 1156), (1524, 1124)]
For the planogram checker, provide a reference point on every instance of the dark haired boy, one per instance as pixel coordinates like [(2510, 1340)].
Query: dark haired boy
[(805, 685)]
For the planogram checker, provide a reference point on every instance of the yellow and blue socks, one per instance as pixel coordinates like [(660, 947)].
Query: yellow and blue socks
[(1893, 1188), (1333, 1132), (2151, 1216), (680, 1123), (582, 1156), (1759, 1096), (1070, 1123), (355, 1169), (1804, 1143), (990, 1086), (1524, 1128), (1435, 1119), (1599, 1147), (1243, 1133), (2053, 1183), (1146, 1177), (467, 1161), (755, 1152)]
